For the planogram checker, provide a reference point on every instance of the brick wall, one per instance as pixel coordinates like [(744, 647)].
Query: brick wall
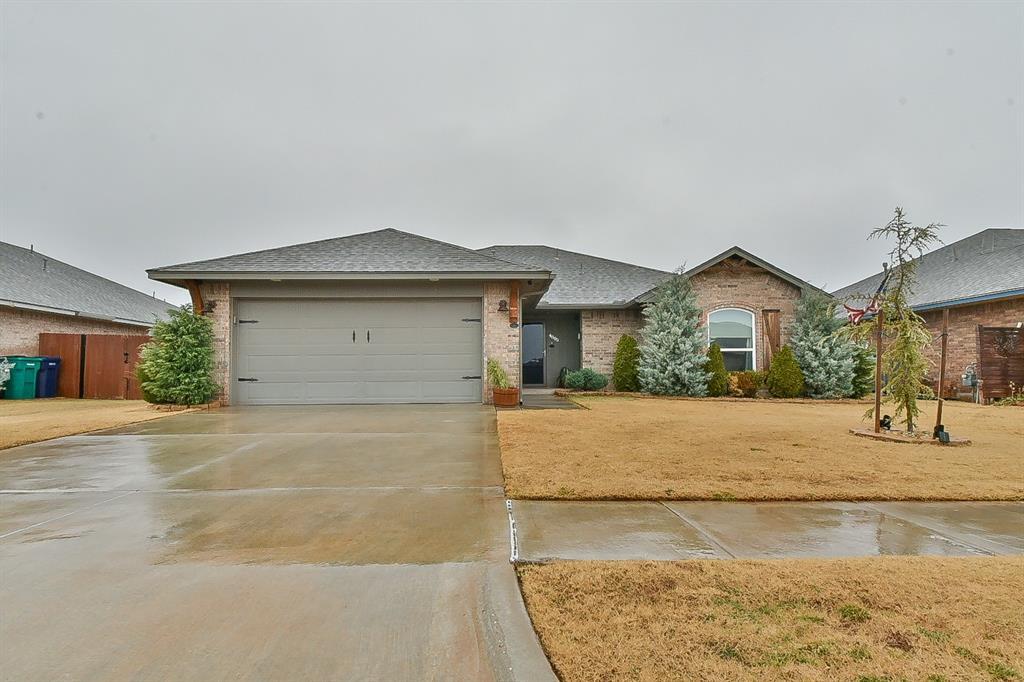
[(20, 329), (730, 284), (734, 283), (500, 341), (600, 331), (217, 304), (962, 346)]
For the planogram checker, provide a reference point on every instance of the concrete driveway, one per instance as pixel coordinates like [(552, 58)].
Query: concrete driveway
[(355, 543)]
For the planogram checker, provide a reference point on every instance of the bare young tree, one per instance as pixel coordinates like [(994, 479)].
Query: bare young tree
[(906, 335)]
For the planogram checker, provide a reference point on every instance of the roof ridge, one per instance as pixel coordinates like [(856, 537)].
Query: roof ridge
[(275, 248), (461, 248), (86, 272), (577, 253), (339, 238)]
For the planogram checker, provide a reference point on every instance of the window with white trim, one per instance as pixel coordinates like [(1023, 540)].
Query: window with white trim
[(733, 330)]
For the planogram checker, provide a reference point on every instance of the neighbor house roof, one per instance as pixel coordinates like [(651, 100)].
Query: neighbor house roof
[(582, 280), (387, 253), (34, 281), (986, 266), (737, 252)]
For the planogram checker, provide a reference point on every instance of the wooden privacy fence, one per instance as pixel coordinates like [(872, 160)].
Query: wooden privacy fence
[(95, 365), (1000, 360)]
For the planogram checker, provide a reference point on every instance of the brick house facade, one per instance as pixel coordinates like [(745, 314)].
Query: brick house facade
[(600, 331), (738, 283), (20, 328), (732, 283), (500, 339), (962, 347)]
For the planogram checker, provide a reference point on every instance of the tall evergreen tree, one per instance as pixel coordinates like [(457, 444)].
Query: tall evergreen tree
[(672, 359), (825, 358)]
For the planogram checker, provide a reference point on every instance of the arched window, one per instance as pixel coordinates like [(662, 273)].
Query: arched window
[(733, 330)]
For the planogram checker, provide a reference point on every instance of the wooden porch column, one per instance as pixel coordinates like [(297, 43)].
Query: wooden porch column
[(197, 296)]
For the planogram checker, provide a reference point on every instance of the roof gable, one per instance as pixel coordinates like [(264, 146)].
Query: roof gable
[(381, 252), (32, 280), (581, 280), (737, 252), (985, 266)]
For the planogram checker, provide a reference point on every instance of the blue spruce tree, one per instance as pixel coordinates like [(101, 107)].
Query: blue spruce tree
[(826, 359), (672, 357)]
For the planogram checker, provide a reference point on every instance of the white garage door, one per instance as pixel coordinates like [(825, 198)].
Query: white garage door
[(290, 351)]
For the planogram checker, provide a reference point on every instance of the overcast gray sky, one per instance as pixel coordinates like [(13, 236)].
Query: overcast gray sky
[(144, 134)]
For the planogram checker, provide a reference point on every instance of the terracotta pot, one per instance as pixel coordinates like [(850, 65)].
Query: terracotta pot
[(506, 397)]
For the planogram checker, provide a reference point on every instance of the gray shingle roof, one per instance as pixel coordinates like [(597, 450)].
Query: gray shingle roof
[(986, 265), (582, 280), (387, 251), (34, 280)]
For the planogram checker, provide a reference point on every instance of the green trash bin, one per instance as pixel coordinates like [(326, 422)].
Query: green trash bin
[(23, 377)]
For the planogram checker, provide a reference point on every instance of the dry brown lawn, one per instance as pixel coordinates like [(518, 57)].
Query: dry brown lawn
[(867, 620), (623, 448), (28, 421)]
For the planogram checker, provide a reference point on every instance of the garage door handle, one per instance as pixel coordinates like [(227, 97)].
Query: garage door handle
[(248, 379), (475, 376), (367, 336), (353, 336), (248, 321)]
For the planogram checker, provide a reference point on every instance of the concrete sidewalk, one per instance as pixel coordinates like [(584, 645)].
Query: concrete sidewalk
[(549, 531)]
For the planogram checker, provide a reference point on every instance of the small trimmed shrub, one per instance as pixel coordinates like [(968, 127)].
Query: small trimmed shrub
[(718, 378), (746, 384), (627, 358), (586, 380), (177, 365), (785, 380), (497, 377)]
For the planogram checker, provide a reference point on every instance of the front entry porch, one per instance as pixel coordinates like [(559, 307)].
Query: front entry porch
[(550, 345)]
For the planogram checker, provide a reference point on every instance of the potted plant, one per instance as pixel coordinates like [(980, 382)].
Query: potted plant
[(505, 394)]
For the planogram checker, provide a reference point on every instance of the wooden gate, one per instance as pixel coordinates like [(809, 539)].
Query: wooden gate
[(95, 365), (1000, 360)]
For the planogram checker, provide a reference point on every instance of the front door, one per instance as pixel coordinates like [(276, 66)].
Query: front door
[(533, 354)]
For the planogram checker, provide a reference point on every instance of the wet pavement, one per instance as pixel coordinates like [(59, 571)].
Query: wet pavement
[(548, 531), (357, 543)]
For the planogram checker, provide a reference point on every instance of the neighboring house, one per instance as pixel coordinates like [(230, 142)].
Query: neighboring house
[(980, 280), (41, 294), (389, 316)]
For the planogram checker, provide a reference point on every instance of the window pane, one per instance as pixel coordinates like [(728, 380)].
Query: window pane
[(732, 328), (738, 361)]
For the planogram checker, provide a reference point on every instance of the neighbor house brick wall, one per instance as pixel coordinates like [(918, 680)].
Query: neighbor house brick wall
[(20, 329), (218, 308), (500, 339), (735, 283), (600, 331), (962, 346)]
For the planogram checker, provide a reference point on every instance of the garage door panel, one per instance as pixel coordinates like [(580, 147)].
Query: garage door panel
[(302, 351)]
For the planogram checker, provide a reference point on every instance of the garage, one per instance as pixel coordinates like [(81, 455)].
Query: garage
[(333, 351)]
